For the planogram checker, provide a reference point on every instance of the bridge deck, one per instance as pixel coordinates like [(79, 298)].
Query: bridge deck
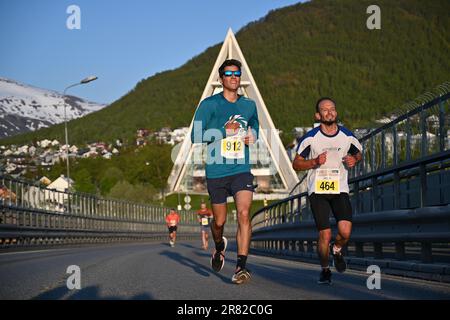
[(156, 271)]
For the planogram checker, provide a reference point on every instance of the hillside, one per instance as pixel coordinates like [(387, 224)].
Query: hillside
[(297, 54)]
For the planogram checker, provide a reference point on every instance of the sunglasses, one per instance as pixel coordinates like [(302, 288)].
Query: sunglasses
[(229, 73)]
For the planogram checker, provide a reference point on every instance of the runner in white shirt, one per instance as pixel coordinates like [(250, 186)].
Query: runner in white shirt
[(327, 152)]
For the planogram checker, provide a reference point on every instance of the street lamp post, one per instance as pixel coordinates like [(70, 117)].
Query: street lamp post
[(86, 80)]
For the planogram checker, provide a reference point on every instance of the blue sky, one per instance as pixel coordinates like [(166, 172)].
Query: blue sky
[(120, 41)]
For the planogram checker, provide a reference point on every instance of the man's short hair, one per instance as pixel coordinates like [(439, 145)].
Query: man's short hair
[(227, 63), (323, 99)]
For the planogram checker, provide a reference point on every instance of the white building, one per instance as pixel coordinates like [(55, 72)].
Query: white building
[(55, 195), (271, 165), (44, 143)]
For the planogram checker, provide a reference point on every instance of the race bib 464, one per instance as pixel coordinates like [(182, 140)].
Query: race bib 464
[(327, 181)]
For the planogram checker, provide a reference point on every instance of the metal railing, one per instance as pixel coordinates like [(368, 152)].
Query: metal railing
[(400, 172), (32, 214), (418, 133)]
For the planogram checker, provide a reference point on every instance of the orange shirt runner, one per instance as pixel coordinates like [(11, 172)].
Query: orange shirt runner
[(172, 219)]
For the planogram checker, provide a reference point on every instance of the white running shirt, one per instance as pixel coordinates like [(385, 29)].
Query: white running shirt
[(315, 142)]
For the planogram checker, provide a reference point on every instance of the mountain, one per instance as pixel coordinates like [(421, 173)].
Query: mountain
[(25, 108), (297, 54)]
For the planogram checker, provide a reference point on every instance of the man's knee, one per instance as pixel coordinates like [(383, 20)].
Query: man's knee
[(244, 216), (325, 235), (345, 230), (218, 223)]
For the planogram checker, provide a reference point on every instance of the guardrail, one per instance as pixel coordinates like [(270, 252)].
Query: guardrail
[(34, 215), (390, 191)]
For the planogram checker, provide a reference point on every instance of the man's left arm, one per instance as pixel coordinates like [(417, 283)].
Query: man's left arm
[(253, 128)]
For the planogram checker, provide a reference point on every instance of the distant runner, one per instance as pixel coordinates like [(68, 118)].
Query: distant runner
[(204, 218), (327, 152), (172, 220)]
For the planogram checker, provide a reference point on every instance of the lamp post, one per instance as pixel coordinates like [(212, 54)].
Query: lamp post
[(84, 81)]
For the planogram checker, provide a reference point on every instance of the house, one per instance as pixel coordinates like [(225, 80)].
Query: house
[(107, 155), (90, 154), (44, 143), (73, 149), (100, 146), (55, 194), (49, 159), (55, 143), (82, 151), (17, 173), (10, 167), (140, 142), (32, 150), (23, 149), (60, 184), (142, 133), (178, 135)]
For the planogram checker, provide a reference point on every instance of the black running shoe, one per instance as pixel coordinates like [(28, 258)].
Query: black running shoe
[(218, 257), (338, 261), (241, 276), (325, 277)]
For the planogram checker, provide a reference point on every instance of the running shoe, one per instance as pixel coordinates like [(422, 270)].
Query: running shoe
[(338, 260), (218, 257), (241, 276), (325, 277), (172, 244)]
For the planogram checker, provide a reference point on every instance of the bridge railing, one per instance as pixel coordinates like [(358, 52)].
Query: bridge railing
[(416, 134), (390, 191), (33, 214)]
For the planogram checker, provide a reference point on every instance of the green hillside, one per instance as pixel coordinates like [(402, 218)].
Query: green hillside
[(297, 54)]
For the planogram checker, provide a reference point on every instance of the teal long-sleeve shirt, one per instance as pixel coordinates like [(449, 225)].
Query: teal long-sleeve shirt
[(210, 119)]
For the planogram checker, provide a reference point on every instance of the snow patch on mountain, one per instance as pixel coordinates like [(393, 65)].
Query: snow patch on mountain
[(26, 108)]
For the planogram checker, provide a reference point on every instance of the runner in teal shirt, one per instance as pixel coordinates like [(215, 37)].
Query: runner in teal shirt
[(228, 124)]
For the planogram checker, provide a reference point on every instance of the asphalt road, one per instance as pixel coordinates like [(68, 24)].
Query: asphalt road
[(157, 271)]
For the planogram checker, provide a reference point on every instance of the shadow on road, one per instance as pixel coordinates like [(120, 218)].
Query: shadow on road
[(204, 271), (88, 293)]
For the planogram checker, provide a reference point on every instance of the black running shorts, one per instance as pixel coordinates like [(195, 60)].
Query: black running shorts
[(172, 229), (322, 204), (220, 188)]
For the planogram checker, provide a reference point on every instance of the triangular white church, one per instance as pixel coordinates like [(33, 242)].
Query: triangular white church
[(272, 170)]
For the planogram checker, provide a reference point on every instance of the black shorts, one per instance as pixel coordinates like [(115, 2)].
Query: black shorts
[(172, 229), (220, 188), (321, 204)]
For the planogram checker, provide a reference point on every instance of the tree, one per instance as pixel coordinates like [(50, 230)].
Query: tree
[(83, 182)]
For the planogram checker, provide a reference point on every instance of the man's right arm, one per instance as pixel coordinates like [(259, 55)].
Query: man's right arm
[(301, 163)]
